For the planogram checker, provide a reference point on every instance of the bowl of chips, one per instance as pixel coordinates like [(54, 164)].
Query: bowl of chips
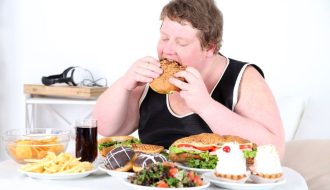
[(34, 143)]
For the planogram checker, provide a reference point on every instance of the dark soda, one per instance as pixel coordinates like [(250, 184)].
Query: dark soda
[(86, 143)]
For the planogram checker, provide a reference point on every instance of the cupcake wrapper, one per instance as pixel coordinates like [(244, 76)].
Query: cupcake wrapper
[(233, 178), (266, 178)]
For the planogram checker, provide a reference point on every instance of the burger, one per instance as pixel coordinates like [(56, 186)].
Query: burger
[(161, 84), (199, 151), (196, 151), (106, 144)]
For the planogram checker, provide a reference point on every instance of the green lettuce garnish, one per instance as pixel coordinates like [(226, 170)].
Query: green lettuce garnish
[(127, 143), (249, 153)]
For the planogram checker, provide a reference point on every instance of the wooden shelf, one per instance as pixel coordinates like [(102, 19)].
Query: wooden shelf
[(64, 91)]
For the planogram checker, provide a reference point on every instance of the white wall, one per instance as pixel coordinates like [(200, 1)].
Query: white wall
[(288, 39), (11, 98)]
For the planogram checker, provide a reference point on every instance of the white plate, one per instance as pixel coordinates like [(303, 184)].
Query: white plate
[(57, 175), (115, 173), (140, 187), (198, 170), (242, 186)]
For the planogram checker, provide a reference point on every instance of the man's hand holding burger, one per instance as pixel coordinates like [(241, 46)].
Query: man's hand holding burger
[(193, 89), (141, 72)]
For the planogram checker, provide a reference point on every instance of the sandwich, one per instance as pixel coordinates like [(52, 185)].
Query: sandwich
[(196, 151), (161, 84), (199, 151), (106, 144), (147, 148)]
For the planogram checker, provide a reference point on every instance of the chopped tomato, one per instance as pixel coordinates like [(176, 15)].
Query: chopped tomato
[(173, 171), (198, 181), (191, 175), (204, 148), (162, 184), (245, 147)]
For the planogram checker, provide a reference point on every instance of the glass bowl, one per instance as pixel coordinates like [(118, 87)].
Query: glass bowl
[(34, 143)]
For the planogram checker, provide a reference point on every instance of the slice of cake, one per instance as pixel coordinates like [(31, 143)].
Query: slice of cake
[(267, 165), (231, 165)]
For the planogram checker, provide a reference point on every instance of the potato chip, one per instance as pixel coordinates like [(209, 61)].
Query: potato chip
[(34, 148)]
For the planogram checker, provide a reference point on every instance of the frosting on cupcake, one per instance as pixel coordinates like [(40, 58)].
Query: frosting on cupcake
[(231, 160), (118, 157), (267, 160)]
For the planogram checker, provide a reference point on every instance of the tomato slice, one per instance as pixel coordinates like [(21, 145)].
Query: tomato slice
[(204, 148), (245, 147)]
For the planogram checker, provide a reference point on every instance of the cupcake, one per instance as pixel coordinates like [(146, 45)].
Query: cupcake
[(231, 165), (120, 159), (145, 159), (267, 165)]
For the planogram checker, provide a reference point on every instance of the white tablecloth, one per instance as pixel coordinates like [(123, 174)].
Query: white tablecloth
[(11, 178)]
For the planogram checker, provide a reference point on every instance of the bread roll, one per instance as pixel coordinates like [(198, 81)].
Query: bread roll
[(200, 140), (147, 148)]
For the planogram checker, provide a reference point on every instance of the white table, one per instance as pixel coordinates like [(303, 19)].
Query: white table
[(10, 178)]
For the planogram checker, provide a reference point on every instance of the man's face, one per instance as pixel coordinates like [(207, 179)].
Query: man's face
[(179, 42)]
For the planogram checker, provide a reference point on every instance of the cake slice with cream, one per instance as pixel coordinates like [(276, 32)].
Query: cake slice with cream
[(267, 165), (231, 165)]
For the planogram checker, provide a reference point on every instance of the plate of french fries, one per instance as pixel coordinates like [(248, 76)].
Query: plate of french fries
[(52, 166)]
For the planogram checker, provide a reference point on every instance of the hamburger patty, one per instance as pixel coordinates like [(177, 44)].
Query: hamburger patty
[(161, 84)]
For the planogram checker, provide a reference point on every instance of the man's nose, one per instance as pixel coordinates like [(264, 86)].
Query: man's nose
[(170, 47)]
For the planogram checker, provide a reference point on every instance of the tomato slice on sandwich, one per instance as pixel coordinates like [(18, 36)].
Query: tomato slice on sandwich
[(203, 148), (245, 146)]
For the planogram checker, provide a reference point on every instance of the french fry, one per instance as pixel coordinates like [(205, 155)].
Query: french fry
[(62, 163)]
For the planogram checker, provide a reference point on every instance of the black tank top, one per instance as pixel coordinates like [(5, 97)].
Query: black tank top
[(160, 126)]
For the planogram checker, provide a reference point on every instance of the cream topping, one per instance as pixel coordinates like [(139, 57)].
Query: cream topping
[(231, 161), (267, 160)]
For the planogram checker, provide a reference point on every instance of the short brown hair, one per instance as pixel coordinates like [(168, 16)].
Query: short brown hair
[(203, 15)]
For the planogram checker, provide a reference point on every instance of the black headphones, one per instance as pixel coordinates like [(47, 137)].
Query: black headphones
[(65, 77)]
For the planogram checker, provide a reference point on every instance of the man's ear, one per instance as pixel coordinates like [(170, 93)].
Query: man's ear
[(210, 49)]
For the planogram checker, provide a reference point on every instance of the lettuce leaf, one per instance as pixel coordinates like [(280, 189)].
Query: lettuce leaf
[(127, 143), (208, 162), (177, 150), (249, 153)]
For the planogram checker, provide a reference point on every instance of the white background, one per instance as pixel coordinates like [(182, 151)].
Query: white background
[(288, 39)]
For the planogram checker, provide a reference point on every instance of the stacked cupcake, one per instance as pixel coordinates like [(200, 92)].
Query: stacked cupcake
[(267, 166), (232, 165)]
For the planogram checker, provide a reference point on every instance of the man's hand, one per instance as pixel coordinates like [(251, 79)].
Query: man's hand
[(193, 91), (141, 72)]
